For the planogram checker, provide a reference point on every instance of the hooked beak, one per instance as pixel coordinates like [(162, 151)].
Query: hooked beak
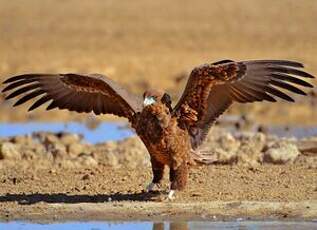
[(149, 101)]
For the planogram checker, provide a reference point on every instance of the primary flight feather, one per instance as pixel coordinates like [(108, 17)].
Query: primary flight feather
[(171, 135)]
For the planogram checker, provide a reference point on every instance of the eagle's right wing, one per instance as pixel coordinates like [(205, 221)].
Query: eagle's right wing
[(75, 92)]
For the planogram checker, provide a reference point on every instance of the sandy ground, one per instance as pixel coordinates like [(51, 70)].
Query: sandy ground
[(54, 177)]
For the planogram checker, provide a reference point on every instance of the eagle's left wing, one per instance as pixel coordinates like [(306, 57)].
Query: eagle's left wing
[(212, 88)]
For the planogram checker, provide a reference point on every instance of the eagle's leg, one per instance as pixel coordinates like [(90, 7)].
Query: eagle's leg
[(158, 172), (178, 179)]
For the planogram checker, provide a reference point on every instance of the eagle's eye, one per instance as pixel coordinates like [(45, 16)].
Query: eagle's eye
[(149, 100)]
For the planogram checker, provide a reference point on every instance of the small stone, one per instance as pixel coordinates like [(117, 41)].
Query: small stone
[(85, 177), (250, 150), (86, 160), (281, 152), (111, 159), (75, 149), (9, 151), (224, 157), (70, 138), (14, 180), (52, 171), (228, 143), (196, 194)]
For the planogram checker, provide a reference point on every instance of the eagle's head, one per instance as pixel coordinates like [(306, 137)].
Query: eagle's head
[(153, 96)]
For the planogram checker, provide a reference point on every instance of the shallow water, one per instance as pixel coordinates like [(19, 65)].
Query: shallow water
[(258, 225), (104, 132), (298, 132), (115, 131)]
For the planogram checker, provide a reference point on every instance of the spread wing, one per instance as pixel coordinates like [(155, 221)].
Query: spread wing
[(212, 88), (75, 92)]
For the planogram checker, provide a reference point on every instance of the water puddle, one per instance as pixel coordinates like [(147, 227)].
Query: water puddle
[(298, 132), (259, 225), (106, 131), (103, 132)]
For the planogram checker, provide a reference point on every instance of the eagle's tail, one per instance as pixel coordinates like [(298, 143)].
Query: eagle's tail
[(202, 156)]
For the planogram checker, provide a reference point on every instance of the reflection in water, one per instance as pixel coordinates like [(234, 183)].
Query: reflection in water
[(171, 226), (259, 225), (92, 122)]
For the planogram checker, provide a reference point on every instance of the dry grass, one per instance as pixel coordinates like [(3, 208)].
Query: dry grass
[(147, 43)]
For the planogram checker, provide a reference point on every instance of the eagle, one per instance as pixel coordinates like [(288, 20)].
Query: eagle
[(171, 134)]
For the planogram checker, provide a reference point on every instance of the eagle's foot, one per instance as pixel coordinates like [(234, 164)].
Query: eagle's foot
[(171, 195), (151, 186)]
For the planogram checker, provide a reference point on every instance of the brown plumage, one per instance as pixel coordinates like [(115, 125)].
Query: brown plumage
[(171, 135)]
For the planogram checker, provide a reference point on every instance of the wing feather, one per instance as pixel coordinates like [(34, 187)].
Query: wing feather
[(22, 90), (243, 95), (287, 86), (40, 102), (278, 93), (222, 83), (291, 79), (29, 96), (75, 92), (17, 84)]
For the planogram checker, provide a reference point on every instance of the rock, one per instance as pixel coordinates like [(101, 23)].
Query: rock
[(245, 148), (75, 148), (254, 141), (281, 152), (250, 150), (86, 160), (132, 152), (29, 155), (52, 171), (228, 143), (46, 138), (111, 159), (85, 177), (22, 140), (66, 164), (221, 138), (135, 158), (58, 151), (9, 151), (224, 157), (311, 162), (70, 138), (308, 146)]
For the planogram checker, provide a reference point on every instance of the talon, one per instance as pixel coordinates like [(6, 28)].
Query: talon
[(151, 186), (170, 195)]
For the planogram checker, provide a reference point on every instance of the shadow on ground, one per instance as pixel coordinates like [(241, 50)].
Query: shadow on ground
[(27, 199)]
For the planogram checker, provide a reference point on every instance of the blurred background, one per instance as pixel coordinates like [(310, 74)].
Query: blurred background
[(155, 43)]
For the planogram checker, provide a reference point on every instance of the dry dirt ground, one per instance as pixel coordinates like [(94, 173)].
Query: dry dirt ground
[(56, 177), (144, 43)]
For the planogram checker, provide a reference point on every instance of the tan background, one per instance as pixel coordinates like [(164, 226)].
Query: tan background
[(149, 43)]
